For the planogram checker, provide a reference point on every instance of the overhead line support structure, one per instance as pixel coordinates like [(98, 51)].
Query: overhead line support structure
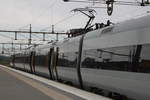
[(30, 32), (110, 3), (33, 32), (21, 43), (43, 36), (15, 35)]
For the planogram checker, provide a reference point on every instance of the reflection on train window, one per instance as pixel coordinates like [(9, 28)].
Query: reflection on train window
[(41, 60), (128, 58), (145, 59), (68, 59), (22, 59)]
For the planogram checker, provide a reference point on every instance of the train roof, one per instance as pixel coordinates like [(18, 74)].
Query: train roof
[(118, 28), (134, 23), (105, 33), (131, 32)]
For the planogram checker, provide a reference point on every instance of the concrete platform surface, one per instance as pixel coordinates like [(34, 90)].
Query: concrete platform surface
[(18, 85)]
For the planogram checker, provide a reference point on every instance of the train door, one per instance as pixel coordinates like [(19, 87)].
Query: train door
[(49, 63), (53, 63), (33, 61), (30, 62), (79, 63), (24, 61), (13, 61), (136, 58)]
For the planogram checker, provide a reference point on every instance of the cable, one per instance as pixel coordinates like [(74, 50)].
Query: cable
[(60, 21), (46, 28), (64, 19), (37, 36), (23, 26), (44, 11), (67, 18), (6, 36), (39, 15)]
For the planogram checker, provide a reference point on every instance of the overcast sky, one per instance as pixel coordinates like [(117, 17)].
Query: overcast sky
[(18, 14)]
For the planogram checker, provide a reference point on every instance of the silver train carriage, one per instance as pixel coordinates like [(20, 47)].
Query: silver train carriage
[(114, 60)]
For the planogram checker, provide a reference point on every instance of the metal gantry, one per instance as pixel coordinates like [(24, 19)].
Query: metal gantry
[(109, 3), (32, 32)]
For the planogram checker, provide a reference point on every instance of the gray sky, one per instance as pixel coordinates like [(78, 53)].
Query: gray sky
[(39, 13), (18, 14)]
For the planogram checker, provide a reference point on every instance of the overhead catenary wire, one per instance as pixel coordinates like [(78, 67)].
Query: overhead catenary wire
[(60, 21), (44, 29), (20, 28), (37, 36), (135, 14), (35, 20), (116, 2), (52, 4), (64, 19), (6, 36), (23, 27), (49, 7), (25, 36)]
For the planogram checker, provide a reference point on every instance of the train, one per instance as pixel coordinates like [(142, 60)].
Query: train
[(113, 60)]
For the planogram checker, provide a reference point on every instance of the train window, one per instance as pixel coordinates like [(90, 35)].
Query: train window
[(111, 58), (144, 65), (106, 58), (68, 53), (128, 58), (41, 60), (68, 59)]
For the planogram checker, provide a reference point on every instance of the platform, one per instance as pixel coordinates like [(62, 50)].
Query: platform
[(18, 85)]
